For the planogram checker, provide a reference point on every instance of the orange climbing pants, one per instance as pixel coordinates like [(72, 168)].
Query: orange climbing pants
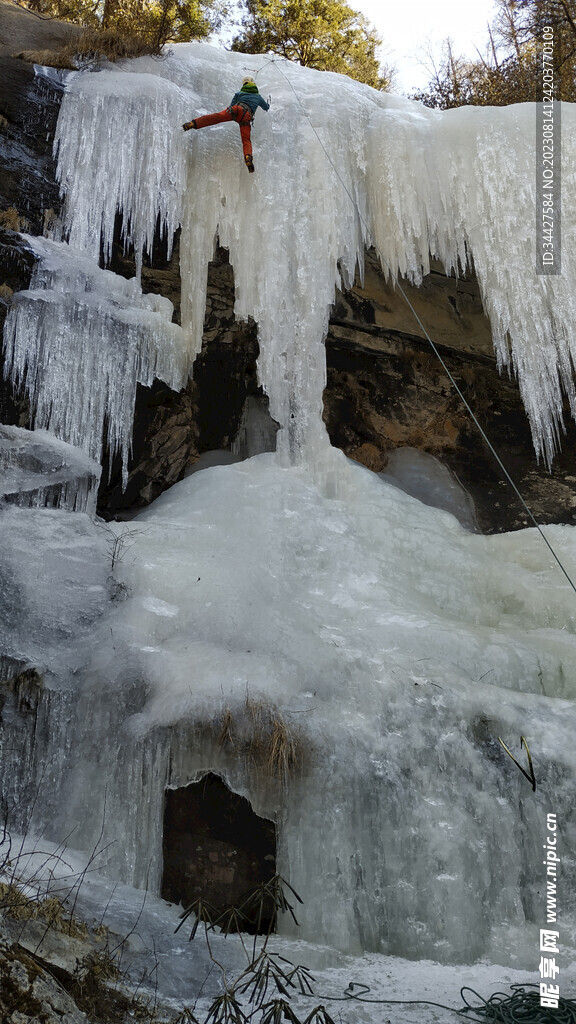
[(236, 113)]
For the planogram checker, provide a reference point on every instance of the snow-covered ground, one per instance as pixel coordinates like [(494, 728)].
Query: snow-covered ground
[(164, 966)]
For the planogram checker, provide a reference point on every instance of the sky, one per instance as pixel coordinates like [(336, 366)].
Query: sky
[(408, 26)]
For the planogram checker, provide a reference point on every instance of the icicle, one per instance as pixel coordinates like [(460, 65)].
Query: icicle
[(338, 167), (38, 471), (80, 340)]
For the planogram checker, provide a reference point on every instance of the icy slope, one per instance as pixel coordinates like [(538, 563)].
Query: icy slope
[(339, 166), (398, 647), (395, 648)]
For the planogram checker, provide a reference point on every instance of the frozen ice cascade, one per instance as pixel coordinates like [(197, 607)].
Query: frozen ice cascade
[(82, 339), (394, 646), (409, 180)]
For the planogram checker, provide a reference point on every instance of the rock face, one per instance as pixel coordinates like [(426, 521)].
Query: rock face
[(215, 848), (29, 200), (387, 389), (22, 30), (28, 112), (171, 430), (29, 195), (28, 993), (56, 969)]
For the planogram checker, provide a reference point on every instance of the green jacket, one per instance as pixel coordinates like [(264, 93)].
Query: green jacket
[(250, 97)]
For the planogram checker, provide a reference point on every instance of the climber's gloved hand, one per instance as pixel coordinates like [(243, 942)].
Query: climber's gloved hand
[(269, 101), (186, 127)]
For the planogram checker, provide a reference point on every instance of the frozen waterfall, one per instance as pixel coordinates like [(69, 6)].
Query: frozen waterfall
[(393, 646), (339, 167)]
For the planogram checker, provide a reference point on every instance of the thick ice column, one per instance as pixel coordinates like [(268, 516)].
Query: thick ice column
[(287, 228), (461, 185), (80, 340)]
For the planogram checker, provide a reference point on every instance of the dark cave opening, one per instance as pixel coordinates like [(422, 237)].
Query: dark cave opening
[(216, 848)]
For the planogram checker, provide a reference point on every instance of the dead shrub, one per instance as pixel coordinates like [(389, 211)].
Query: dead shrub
[(113, 43)]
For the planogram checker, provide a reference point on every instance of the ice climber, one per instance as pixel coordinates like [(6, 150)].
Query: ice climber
[(242, 109)]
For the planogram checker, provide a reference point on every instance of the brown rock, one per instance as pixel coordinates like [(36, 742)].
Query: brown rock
[(387, 389), (21, 29)]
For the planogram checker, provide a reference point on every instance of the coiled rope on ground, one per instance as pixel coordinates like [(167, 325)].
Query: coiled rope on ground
[(521, 1007)]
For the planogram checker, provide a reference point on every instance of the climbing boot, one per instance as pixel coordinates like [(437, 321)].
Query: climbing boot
[(189, 125), (249, 163)]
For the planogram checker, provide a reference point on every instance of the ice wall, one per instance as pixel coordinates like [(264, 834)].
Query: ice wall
[(338, 166), (54, 587), (395, 645)]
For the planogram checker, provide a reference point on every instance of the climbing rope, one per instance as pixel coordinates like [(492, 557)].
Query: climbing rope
[(434, 347), (521, 1007)]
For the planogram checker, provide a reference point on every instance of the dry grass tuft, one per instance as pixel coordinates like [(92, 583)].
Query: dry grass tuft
[(261, 733), (11, 220), (227, 729), (20, 907), (114, 43), (282, 750), (48, 58)]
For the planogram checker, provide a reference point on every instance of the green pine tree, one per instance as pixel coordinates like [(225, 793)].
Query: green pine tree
[(324, 34)]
